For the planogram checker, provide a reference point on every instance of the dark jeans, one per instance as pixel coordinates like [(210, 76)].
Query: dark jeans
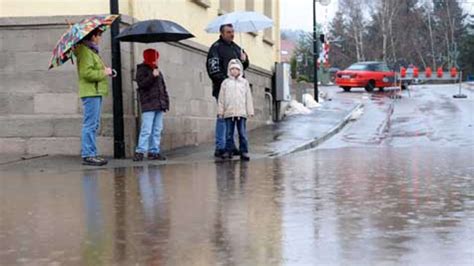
[(241, 124), (220, 134)]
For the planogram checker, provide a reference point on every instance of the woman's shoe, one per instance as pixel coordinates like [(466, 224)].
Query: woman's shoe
[(138, 157), (94, 161), (156, 157)]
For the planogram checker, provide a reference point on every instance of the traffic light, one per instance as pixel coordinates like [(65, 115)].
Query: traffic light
[(322, 38)]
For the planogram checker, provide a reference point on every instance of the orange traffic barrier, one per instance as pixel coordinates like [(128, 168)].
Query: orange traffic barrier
[(428, 72), (454, 72), (403, 72), (416, 72), (440, 72)]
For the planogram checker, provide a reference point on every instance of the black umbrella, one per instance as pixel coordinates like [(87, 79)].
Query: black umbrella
[(156, 30)]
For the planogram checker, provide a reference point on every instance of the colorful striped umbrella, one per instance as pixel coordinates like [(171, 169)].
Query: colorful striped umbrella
[(65, 47)]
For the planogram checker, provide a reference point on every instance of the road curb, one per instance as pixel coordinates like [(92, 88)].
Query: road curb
[(385, 128), (76, 166), (317, 141)]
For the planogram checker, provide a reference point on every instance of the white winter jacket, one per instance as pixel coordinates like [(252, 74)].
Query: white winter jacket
[(235, 97)]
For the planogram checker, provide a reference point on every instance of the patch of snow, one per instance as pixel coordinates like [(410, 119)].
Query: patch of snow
[(296, 108), (357, 114), (322, 96), (309, 101)]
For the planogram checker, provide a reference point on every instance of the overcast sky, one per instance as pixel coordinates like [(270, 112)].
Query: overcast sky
[(298, 14)]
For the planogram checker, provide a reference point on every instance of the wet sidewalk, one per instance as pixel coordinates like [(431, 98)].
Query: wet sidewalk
[(295, 133)]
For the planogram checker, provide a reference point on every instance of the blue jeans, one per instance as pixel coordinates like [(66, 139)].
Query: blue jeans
[(221, 135), (241, 124), (150, 132), (90, 124)]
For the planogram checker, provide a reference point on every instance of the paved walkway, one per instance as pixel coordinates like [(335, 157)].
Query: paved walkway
[(294, 134)]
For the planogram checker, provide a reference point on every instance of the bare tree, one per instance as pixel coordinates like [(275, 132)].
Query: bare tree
[(354, 17), (449, 16), (386, 11), (400, 32), (428, 11)]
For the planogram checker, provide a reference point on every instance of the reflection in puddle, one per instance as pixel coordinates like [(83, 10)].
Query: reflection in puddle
[(396, 206)]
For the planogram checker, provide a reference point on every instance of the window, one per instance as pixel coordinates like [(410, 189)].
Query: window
[(250, 5), (378, 67), (203, 3), (358, 67), (383, 67), (226, 6), (268, 11)]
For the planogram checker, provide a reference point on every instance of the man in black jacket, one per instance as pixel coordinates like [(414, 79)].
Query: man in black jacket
[(221, 52)]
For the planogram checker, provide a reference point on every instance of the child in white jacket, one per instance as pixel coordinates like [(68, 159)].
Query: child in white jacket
[(235, 104)]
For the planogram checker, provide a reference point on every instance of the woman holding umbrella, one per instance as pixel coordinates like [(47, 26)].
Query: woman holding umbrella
[(82, 41), (93, 86)]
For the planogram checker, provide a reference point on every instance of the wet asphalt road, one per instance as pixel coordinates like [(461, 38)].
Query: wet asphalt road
[(395, 187), (428, 116)]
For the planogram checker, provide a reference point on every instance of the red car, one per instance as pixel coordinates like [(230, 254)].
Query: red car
[(368, 75)]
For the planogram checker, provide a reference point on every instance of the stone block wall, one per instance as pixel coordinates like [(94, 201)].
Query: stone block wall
[(40, 112)]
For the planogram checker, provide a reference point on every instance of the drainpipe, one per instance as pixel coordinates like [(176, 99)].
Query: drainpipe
[(119, 138)]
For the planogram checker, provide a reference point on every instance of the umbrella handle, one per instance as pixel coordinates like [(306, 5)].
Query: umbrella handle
[(114, 73)]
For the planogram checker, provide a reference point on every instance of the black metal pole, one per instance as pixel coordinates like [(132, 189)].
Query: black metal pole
[(119, 142), (315, 55)]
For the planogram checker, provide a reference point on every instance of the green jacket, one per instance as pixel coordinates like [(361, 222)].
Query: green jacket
[(90, 68)]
